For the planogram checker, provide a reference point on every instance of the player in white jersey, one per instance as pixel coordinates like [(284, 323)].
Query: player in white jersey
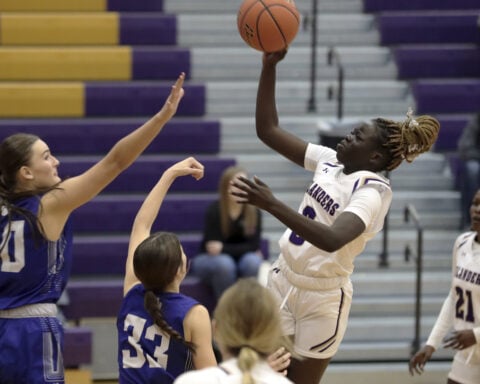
[(460, 310), (247, 329), (344, 207)]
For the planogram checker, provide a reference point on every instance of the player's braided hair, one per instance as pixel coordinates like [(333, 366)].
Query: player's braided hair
[(407, 139), (154, 308), (156, 262)]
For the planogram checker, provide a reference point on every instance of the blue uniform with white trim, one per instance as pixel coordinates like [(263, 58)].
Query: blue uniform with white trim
[(33, 274), (145, 354)]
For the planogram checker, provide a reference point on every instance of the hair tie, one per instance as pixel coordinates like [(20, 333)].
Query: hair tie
[(409, 123)]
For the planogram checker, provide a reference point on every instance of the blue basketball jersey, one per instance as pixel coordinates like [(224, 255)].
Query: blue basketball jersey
[(33, 272), (145, 353), (32, 269)]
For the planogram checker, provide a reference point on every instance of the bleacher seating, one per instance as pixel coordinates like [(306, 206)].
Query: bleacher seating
[(436, 47), (82, 74), (433, 61)]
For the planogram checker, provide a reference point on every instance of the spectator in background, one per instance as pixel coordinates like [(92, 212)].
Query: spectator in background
[(231, 238), (469, 151)]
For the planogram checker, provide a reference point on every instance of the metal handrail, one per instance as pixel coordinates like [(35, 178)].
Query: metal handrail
[(383, 257), (334, 56), (312, 104), (410, 211)]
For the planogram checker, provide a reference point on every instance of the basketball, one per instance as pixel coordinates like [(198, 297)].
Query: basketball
[(268, 25)]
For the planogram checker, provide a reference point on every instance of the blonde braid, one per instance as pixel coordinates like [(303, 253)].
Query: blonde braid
[(410, 138)]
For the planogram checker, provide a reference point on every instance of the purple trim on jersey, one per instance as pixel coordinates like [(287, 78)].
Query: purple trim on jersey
[(355, 186), (331, 164), (331, 340)]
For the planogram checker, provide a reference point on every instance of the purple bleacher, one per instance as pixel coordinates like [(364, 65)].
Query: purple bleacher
[(450, 131), (142, 175), (77, 346), (115, 213), (135, 6), (140, 98), (405, 5), (106, 255), (93, 298), (103, 298), (447, 96), (415, 61), (159, 63), (428, 27), (97, 136), (148, 29)]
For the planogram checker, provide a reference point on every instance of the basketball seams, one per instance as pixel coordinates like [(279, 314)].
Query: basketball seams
[(268, 25), (267, 9)]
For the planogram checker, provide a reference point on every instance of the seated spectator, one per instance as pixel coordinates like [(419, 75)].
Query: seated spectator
[(469, 151), (231, 238)]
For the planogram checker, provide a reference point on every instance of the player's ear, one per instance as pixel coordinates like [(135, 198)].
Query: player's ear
[(378, 160), (25, 173)]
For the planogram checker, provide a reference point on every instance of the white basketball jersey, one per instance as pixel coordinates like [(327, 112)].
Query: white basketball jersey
[(327, 197)]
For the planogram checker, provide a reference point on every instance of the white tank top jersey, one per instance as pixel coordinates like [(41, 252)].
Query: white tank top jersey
[(229, 373), (366, 194), (461, 309)]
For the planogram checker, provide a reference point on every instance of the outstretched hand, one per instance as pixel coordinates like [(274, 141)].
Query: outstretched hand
[(189, 166), (254, 192), (176, 94), (460, 339), (418, 361)]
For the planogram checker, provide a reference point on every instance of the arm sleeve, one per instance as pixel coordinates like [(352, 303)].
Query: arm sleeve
[(443, 323), (445, 318), (366, 203), (316, 153)]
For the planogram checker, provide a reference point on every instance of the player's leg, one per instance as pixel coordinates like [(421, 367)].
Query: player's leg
[(249, 264), (31, 351), (321, 321), (219, 271), (307, 371)]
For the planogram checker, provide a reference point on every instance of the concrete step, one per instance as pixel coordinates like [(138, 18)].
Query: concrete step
[(376, 98), (235, 63), (383, 351), (197, 30), (231, 7), (373, 306), (430, 220), (435, 242), (393, 328)]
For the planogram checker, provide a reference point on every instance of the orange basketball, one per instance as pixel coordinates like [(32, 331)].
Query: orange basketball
[(268, 25)]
